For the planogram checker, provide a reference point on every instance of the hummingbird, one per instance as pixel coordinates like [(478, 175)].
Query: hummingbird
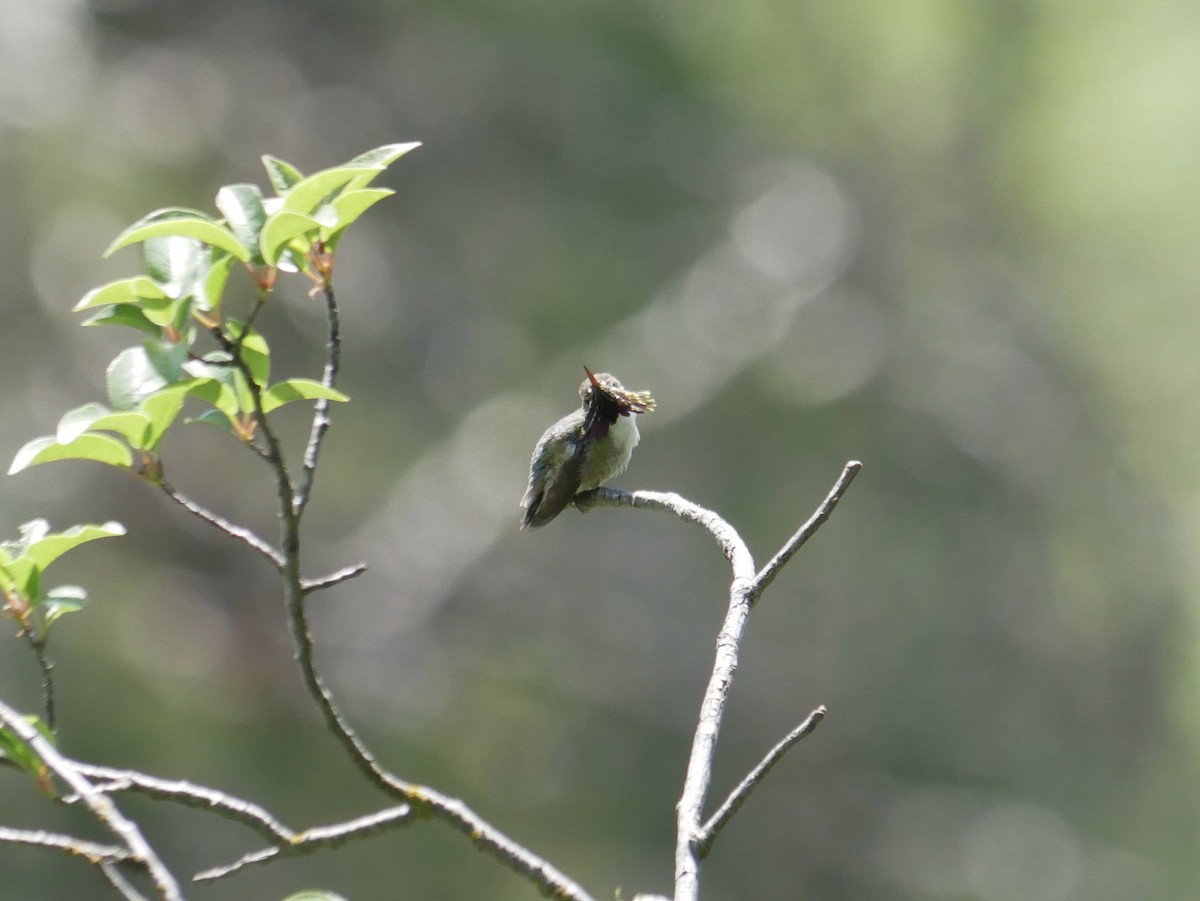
[(583, 449)]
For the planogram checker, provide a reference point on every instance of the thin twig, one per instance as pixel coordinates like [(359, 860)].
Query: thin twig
[(237, 532), (321, 420), (37, 643), (92, 852), (259, 302), (308, 586), (316, 838), (738, 796), (285, 841), (98, 802), (111, 780), (771, 570)]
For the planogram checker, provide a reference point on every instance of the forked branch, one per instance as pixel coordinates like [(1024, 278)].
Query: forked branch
[(738, 796), (131, 838), (693, 840)]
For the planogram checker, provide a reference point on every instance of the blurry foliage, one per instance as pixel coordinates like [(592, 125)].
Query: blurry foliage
[(954, 241)]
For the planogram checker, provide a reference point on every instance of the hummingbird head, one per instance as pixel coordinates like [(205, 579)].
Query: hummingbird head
[(604, 399)]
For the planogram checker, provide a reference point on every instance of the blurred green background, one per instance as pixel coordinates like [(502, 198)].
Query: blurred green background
[(955, 241)]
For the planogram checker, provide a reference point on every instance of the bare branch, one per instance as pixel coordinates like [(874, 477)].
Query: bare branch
[(111, 780), (698, 778), (92, 852), (285, 842), (118, 881), (487, 837), (744, 590), (771, 570), (424, 800), (732, 546), (739, 795), (314, 839), (99, 803), (320, 420), (308, 586), (240, 533)]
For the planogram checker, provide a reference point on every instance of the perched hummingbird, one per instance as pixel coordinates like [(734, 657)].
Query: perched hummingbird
[(583, 449)]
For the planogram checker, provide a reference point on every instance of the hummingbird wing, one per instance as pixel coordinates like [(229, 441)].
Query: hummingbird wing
[(553, 481)]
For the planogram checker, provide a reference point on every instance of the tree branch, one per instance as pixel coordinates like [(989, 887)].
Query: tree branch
[(779, 561), (285, 842), (698, 777), (318, 837), (99, 803), (731, 544), (744, 590), (739, 795), (110, 780), (92, 852), (118, 881), (321, 420), (37, 643), (218, 522), (308, 586)]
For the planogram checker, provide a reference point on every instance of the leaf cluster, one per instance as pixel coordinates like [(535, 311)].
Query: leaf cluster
[(22, 563), (188, 256)]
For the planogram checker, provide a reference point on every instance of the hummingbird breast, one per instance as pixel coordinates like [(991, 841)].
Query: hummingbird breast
[(607, 456)]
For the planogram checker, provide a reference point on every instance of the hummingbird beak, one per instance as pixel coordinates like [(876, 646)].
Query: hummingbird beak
[(591, 377)]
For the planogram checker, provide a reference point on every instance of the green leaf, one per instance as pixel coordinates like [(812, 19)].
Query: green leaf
[(46, 550), (77, 421), (177, 222), (185, 332), (132, 376), (213, 417), (161, 409), (97, 417), (307, 195), (167, 357), (294, 258), (13, 748), (88, 446), (242, 207), (254, 351), (124, 314), (163, 317), (382, 157), (297, 389), (28, 533), (138, 290), (282, 175), (281, 229), (174, 263), (59, 601), (211, 288), (22, 576), (222, 384), (349, 206)]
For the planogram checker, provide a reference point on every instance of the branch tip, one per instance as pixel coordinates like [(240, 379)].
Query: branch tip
[(704, 839)]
